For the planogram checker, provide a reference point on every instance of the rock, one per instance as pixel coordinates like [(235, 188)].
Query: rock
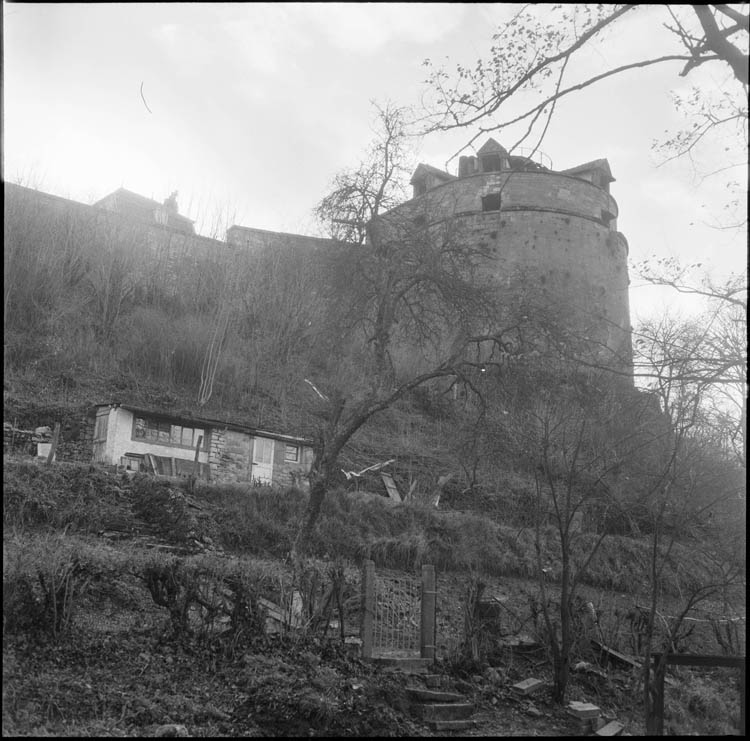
[(528, 686), (171, 730), (493, 676), (534, 711)]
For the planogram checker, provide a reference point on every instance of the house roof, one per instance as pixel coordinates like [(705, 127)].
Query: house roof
[(601, 164), (133, 204), (423, 169), (492, 147), (206, 422)]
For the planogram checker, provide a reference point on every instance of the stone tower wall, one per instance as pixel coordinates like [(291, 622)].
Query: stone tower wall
[(555, 230)]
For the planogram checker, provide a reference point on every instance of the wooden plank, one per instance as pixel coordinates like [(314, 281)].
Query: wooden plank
[(390, 486), (616, 654), (152, 462)]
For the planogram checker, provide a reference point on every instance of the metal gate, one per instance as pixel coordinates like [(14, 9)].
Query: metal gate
[(398, 613)]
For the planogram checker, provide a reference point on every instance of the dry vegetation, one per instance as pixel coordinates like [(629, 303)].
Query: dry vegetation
[(128, 604)]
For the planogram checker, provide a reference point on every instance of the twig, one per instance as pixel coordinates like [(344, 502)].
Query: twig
[(144, 100)]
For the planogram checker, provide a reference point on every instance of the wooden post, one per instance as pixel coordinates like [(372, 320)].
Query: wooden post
[(655, 721), (368, 607), (53, 447), (196, 467), (742, 698), (427, 633)]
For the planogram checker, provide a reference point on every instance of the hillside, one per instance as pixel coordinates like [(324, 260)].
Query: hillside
[(112, 661)]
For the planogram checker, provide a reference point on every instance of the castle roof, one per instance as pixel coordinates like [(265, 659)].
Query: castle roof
[(492, 147), (423, 170), (601, 164)]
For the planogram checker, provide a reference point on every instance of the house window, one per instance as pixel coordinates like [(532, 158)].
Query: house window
[(164, 433), (291, 453), (132, 462), (491, 202)]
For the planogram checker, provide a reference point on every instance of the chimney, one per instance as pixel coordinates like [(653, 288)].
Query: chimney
[(171, 203)]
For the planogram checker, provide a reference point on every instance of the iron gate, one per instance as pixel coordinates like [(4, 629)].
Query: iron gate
[(398, 613)]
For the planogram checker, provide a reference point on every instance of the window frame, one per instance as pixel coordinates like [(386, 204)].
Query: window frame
[(157, 423), (296, 458), (486, 199)]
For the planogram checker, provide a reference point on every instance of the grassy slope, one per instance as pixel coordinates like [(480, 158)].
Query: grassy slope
[(115, 668)]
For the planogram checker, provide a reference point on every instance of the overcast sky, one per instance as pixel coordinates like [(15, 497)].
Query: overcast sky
[(255, 107)]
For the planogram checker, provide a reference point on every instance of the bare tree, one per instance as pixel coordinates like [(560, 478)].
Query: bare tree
[(702, 360), (534, 52), (376, 185)]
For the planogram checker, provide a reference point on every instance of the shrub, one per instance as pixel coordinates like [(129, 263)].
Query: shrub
[(208, 597), (43, 582)]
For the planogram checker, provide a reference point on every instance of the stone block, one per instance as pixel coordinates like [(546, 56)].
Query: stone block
[(613, 728), (450, 725), (583, 710), (528, 686), (446, 711)]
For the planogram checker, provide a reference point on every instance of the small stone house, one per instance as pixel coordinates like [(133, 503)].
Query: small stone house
[(145, 440)]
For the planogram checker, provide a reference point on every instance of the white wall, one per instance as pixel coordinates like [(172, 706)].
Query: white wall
[(120, 441)]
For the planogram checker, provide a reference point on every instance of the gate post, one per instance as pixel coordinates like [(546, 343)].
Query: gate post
[(368, 607), (427, 633)]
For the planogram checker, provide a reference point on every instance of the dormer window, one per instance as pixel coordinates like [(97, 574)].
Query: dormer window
[(420, 188), (493, 157), (492, 163)]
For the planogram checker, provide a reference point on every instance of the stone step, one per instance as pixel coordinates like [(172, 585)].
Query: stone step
[(451, 725), (415, 693), (445, 711), (403, 664), (433, 681)]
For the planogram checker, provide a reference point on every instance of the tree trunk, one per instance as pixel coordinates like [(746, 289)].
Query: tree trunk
[(320, 483)]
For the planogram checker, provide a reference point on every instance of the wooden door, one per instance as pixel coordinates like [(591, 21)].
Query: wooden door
[(263, 460)]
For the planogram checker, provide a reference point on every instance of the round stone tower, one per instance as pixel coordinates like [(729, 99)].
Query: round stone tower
[(554, 230)]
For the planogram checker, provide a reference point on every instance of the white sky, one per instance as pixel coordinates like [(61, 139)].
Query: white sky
[(255, 107)]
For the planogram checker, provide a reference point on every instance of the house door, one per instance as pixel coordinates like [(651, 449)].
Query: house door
[(262, 460)]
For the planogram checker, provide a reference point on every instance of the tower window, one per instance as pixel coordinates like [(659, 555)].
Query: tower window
[(491, 202), (492, 163)]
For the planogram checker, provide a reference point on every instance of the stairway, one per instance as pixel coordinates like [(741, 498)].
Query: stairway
[(432, 698)]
